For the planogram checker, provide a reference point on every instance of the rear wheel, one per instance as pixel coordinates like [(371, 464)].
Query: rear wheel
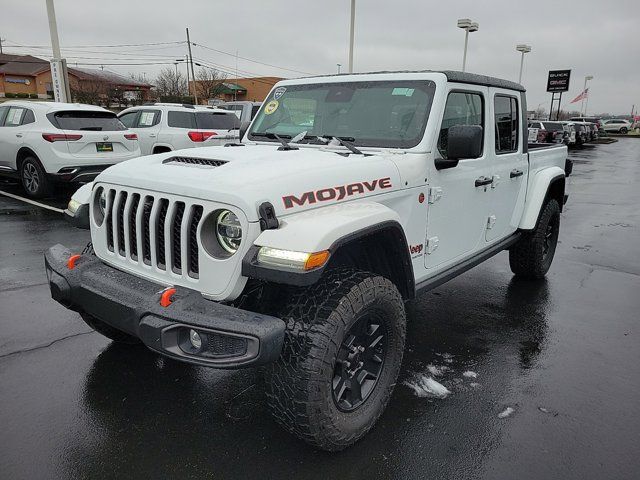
[(532, 255), (34, 179), (108, 331), (624, 130), (340, 360)]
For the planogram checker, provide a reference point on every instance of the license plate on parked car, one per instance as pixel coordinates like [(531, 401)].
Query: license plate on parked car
[(104, 147)]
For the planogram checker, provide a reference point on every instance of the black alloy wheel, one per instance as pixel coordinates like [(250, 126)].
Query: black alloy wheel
[(359, 363)]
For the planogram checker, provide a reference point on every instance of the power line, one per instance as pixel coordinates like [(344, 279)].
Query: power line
[(105, 46), (249, 59)]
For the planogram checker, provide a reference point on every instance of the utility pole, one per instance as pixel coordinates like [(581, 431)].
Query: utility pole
[(583, 110), (351, 34), (59, 77), (193, 75)]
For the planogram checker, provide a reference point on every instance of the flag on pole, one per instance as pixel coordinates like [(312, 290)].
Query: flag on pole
[(581, 97)]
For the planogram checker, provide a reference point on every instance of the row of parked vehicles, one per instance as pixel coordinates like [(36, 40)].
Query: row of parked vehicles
[(45, 143), (576, 131)]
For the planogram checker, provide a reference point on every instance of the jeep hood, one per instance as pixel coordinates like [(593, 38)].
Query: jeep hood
[(246, 176)]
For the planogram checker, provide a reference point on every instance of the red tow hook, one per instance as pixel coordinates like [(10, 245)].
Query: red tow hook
[(71, 263), (166, 296)]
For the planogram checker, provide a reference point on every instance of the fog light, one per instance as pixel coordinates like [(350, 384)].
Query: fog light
[(194, 338)]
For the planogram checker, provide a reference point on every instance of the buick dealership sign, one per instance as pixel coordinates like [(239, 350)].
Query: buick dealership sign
[(558, 80)]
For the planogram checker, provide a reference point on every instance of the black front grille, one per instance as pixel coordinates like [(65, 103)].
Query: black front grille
[(194, 269), (175, 237), (195, 161), (164, 206), (133, 237), (146, 235), (157, 217), (120, 222)]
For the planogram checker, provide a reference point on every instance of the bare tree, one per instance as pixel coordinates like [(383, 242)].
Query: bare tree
[(94, 92), (209, 82), (170, 83), (540, 112)]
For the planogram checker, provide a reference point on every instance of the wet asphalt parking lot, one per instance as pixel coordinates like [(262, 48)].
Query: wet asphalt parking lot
[(544, 377)]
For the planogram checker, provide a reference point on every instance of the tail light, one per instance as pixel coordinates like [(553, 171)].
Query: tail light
[(130, 136), (200, 136), (61, 137)]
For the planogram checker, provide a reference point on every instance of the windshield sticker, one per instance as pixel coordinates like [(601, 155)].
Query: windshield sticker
[(405, 92), (278, 92), (271, 107)]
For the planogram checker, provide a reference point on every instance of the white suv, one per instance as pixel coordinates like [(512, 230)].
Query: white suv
[(164, 127), (44, 142), (616, 125)]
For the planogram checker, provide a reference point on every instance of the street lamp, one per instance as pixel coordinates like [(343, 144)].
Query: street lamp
[(468, 26), (351, 34), (522, 49), (587, 78)]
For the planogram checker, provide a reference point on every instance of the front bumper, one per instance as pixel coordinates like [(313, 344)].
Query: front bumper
[(232, 338)]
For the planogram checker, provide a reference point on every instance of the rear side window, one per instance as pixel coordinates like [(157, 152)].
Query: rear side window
[(181, 119), (28, 117), (506, 122), (83, 120), (254, 110), (148, 118), (128, 119), (462, 108), (216, 121)]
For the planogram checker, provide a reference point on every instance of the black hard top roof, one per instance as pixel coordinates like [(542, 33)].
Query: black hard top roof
[(455, 76)]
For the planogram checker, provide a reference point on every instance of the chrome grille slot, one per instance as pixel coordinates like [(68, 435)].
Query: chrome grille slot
[(157, 233)]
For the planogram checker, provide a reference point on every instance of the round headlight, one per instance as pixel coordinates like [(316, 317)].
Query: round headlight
[(228, 231)]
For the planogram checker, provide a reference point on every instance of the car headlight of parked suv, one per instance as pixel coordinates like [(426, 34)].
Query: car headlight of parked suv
[(228, 231)]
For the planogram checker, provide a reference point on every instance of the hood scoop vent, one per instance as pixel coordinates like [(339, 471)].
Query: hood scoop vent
[(195, 161)]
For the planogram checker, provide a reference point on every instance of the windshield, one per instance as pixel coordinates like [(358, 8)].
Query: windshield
[(374, 114), (553, 127)]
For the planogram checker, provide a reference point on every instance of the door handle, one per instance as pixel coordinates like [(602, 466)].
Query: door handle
[(19, 135), (152, 135), (483, 181), (516, 173)]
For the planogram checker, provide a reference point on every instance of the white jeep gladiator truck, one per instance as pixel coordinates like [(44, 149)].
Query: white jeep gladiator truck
[(298, 248)]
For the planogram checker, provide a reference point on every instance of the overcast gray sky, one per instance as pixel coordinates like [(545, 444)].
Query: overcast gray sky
[(590, 37)]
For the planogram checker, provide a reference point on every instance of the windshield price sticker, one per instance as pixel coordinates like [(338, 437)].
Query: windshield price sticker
[(405, 92), (278, 92), (146, 118), (271, 107)]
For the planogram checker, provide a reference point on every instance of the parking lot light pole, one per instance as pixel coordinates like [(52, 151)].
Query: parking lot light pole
[(522, 49), (351, 34), (584, 110), (468, 26)]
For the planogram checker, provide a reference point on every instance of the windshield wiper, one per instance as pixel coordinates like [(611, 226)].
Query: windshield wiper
[(275, 136), (344, 141)]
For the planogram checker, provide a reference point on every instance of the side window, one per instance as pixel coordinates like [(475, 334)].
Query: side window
[(128, 119), (28, 117), (462, 108), (14, 117), (181, 119), (254, 110), (3, 114), (506, 120), (148, 118)]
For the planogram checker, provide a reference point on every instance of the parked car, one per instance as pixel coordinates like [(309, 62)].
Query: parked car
[(245, 110), (300, 255), (43, 143), (616, 125), (596, 120), (549, 132), (164, 127), (593, 131), (582, 135)]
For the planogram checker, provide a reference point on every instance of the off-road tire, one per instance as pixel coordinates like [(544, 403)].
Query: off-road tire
[(529, 258), (108, 331), (35, 181), (299, 384)]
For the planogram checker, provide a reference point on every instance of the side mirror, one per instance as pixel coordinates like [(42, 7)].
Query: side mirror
[(463, 141), (244, 126)]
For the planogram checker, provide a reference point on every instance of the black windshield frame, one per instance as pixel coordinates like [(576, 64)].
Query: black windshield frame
[(426, 87)]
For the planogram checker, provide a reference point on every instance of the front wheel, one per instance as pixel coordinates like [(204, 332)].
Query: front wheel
[(532, 255), (340, 360), (624, 130)]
